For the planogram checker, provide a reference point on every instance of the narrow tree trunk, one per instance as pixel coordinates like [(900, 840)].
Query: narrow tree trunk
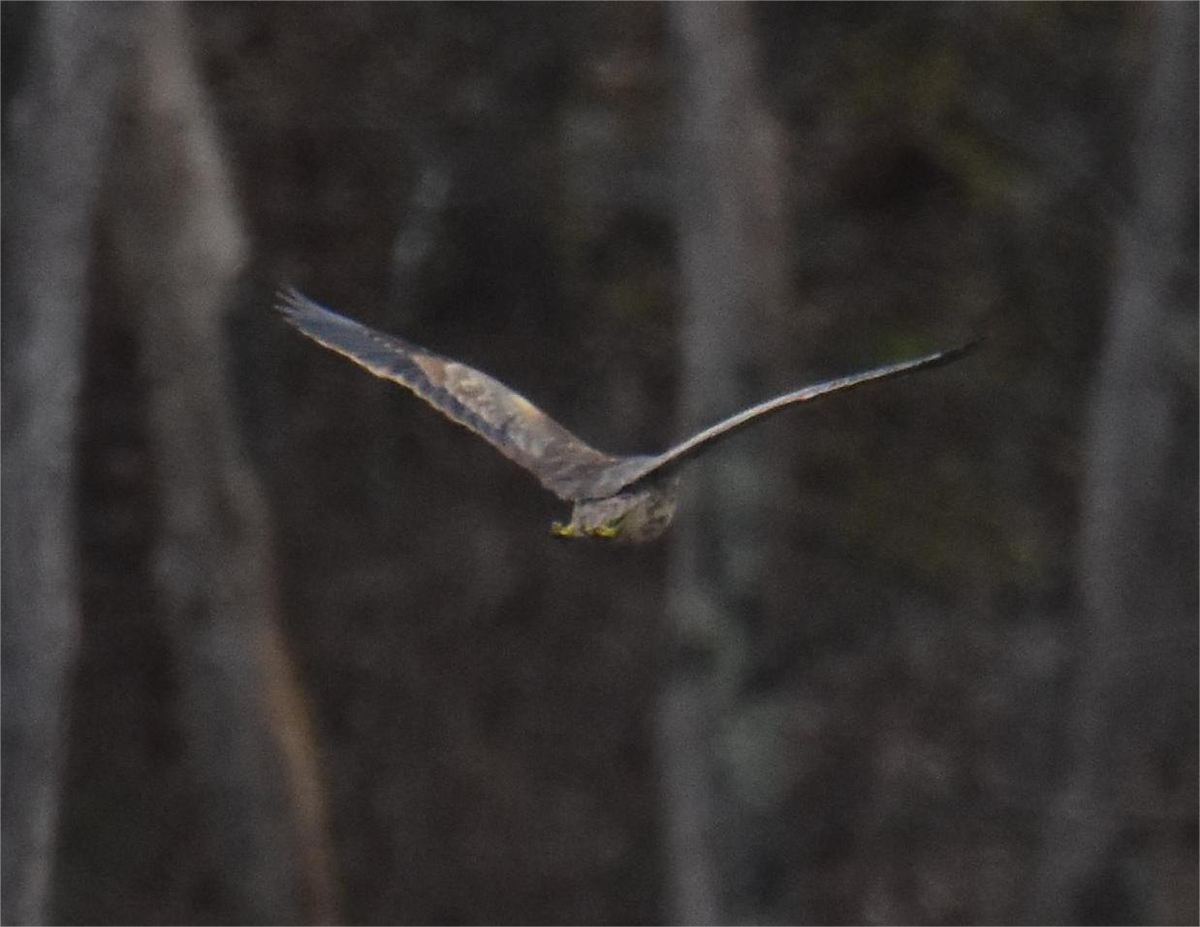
[(1135, 656), (733, 280), (55, 145), (179, 245)]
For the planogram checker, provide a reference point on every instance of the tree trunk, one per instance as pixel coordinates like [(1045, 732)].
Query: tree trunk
[(1138, 635), (179, 246), (733, 279), (56, 140)]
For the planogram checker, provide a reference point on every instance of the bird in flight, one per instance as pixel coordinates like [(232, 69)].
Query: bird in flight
[(626, 499)]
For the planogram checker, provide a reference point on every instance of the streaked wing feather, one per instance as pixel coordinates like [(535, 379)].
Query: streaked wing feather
[(629, 472), (563, 463)]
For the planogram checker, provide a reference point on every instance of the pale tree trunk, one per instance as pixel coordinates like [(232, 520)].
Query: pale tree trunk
[(56, 140), (178, 245), (731, 239), (1128, 722)]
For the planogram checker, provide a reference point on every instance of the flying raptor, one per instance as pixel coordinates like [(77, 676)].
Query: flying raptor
[(629, 499)]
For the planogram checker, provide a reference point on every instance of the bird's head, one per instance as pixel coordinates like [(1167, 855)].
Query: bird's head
[(630, 517)]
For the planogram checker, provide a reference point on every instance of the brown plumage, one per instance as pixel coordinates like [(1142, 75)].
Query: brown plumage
[(618, 498)]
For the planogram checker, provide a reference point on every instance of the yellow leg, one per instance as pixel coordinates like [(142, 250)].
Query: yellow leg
[(560, 530)]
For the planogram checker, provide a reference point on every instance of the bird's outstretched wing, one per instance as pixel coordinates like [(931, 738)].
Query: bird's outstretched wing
[(563, 463), (629, 472)]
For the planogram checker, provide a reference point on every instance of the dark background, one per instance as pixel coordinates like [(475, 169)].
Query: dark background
[(322, 661)]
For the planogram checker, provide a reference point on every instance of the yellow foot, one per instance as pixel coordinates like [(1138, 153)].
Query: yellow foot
[(560, 530)]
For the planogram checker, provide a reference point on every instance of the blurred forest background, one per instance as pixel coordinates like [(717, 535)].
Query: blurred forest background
[(282, 645)]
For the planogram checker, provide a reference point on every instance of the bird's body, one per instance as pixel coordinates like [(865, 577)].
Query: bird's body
[(629, 499), (632, 516)]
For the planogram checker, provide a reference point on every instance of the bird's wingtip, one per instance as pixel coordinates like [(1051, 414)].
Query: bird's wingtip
[(973, 343), (289, 300)]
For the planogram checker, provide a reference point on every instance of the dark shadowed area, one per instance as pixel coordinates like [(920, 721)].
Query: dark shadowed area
[(283, 645)]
